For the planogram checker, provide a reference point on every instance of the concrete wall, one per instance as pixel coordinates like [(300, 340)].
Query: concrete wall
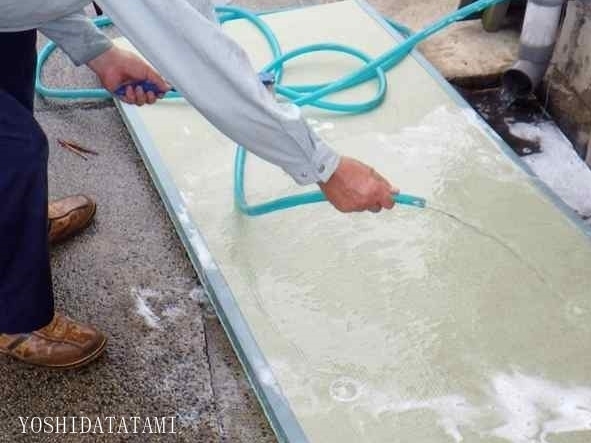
[(567, 89), (573, 51)]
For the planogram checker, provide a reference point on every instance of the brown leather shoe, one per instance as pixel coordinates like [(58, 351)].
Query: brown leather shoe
[(69, 216), (62, 344)]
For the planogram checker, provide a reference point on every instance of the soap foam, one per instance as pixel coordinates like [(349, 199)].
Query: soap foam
[(143, 307), (526, 409), (557, 165)]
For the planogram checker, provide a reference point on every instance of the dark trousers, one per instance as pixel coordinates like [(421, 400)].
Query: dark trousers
[(26, 298)]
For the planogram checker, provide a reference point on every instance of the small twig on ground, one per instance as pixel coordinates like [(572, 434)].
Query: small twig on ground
[(76, 148)]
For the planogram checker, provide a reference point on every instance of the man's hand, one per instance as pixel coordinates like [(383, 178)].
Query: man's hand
[(355, 187), (117, 66)]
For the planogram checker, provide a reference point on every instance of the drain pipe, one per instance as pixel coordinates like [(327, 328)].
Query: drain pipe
[(538, 37)]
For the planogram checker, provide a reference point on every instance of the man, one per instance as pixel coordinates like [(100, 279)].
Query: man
[(228, 94)]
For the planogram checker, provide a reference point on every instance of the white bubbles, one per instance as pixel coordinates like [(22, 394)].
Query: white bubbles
[(345, 389)]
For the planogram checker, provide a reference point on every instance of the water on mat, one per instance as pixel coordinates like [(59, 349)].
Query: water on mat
[(406, 326)]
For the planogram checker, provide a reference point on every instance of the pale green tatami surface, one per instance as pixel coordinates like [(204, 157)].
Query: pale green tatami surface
[(410, 325)]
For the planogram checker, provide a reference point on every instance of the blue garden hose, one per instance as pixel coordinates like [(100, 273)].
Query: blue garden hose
[(72, 94), (301, 95)]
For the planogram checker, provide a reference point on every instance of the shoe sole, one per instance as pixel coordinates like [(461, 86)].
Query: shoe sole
[(74, 365), (86, 224)]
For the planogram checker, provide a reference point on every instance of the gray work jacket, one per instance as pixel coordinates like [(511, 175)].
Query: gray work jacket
[(183, 40)]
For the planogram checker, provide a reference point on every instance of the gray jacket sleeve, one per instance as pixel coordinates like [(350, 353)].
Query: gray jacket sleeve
[(77, 36), (214, 74)]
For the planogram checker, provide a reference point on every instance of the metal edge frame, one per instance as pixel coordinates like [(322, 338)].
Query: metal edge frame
[(466, 107), (274, 404)]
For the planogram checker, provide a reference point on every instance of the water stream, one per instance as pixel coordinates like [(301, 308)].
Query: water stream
[(502, 243)]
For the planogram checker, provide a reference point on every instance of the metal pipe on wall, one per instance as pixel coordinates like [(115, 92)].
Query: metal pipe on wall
[(538, 37)]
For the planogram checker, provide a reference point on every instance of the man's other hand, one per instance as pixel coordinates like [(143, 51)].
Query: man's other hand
[(116, 67), (355, 187)]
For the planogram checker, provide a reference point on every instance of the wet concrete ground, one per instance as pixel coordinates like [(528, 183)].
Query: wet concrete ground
[(128, 274)]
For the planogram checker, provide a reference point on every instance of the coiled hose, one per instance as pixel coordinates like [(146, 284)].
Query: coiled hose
[(301, 95)]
